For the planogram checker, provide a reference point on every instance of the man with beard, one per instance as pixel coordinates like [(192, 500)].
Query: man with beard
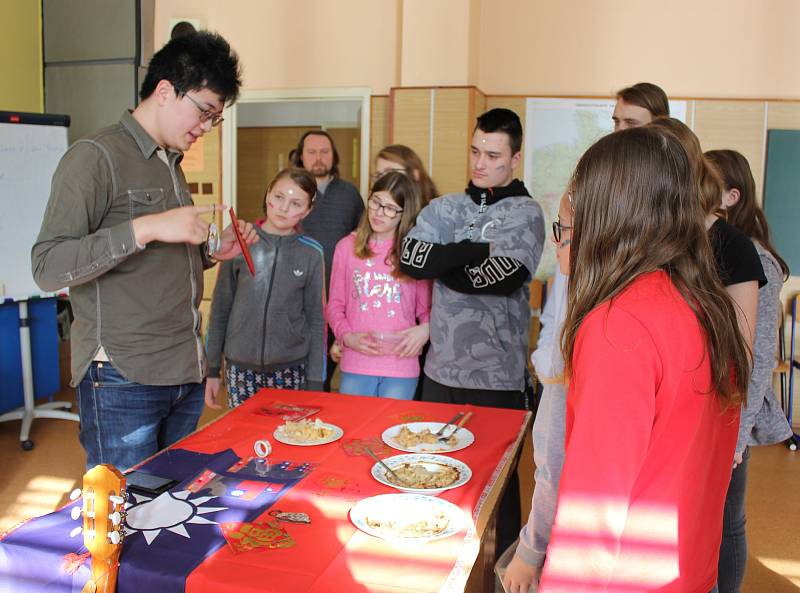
[(337, 207)]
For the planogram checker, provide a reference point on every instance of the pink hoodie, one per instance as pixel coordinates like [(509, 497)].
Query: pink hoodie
[(365, 297)]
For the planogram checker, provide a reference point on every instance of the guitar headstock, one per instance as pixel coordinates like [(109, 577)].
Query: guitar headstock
[(103, 513)]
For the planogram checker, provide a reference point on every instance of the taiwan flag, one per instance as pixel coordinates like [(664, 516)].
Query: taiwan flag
[(167, 536)]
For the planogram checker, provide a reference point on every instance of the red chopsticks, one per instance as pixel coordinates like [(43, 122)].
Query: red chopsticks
[(245, 249)]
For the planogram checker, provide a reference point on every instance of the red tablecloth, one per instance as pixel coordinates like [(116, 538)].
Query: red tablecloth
[(330, 554)]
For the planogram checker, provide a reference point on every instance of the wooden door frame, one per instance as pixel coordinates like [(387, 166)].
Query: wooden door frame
[(229, 127)]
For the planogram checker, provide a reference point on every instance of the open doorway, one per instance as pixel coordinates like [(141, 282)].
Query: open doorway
[(264, 126)]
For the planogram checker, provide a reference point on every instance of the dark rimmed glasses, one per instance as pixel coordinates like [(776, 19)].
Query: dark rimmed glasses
[(206, 114), (557, 230), (389, 211)]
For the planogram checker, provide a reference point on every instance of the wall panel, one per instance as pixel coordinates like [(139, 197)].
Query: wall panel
[(451, 122), (783, 115), (410, 122), (737, 125)]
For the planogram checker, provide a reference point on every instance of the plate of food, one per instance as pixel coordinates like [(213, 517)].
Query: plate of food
[(306, 433), (422, 473), (419, 437), (408, 518)]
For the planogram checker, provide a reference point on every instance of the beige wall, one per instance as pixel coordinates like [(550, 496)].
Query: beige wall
[(300, 43), (21, 56), (437, 41), (712, 48)]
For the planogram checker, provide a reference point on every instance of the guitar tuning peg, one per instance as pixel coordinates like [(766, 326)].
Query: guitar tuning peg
[(114, 537), (116, 499), (116, 518), (75, 513), (75, 531), (75, 494)]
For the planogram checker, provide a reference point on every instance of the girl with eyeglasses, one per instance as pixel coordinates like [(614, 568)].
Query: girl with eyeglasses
[(655, 367), (379, 315), (271, 327)]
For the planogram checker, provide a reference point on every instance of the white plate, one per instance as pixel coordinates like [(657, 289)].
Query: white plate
[(429, 462), (335, 436), (407, 509), (464, 438)]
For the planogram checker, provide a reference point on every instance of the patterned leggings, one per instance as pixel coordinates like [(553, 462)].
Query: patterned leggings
[(243, 383)]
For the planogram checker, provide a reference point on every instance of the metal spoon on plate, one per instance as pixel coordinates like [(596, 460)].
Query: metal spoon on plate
[(389, 470)]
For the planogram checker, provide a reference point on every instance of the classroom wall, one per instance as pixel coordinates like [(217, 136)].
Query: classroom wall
[(438, 45), (713, 48), (303, 43), (21, 56)]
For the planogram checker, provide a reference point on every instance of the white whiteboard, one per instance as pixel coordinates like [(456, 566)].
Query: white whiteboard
[(28, 157)]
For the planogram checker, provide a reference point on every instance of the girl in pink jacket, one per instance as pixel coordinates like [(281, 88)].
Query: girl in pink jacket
[(379, 315)]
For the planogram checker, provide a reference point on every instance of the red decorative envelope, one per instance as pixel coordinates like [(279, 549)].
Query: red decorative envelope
[(246, 537), (356, 447), (287, 411)]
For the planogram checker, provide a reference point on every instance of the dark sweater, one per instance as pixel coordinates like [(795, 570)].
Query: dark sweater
[(275, 319), (335, 215)]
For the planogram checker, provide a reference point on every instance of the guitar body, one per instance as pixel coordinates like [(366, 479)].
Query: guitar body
[(103, 514)]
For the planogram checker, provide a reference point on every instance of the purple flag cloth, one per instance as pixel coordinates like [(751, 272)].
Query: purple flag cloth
[(167, 537)]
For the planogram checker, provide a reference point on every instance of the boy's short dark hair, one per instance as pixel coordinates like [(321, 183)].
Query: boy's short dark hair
[(502, 120), (193, 62), (648, 96)]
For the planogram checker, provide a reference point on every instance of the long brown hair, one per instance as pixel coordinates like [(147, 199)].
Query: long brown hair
[(710, 184), (410, 161), (405, 193), (746, 215), (636, 211)]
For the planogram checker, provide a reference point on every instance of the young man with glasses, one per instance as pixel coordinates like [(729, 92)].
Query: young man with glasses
[(121, 231), (482, 246)]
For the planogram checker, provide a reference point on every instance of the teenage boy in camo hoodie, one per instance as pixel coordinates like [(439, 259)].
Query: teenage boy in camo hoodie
[(482, 247)]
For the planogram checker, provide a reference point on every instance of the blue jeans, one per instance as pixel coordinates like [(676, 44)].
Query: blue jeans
[(733, 551), (123, 423), (391, 387)]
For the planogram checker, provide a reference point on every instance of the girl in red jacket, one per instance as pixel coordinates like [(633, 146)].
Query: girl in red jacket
[(656, 368)]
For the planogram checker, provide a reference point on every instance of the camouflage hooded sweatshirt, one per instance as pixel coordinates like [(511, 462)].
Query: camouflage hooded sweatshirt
[(482, 247)]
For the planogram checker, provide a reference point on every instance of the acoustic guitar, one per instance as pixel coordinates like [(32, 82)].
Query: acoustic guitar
[(103, 511)]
